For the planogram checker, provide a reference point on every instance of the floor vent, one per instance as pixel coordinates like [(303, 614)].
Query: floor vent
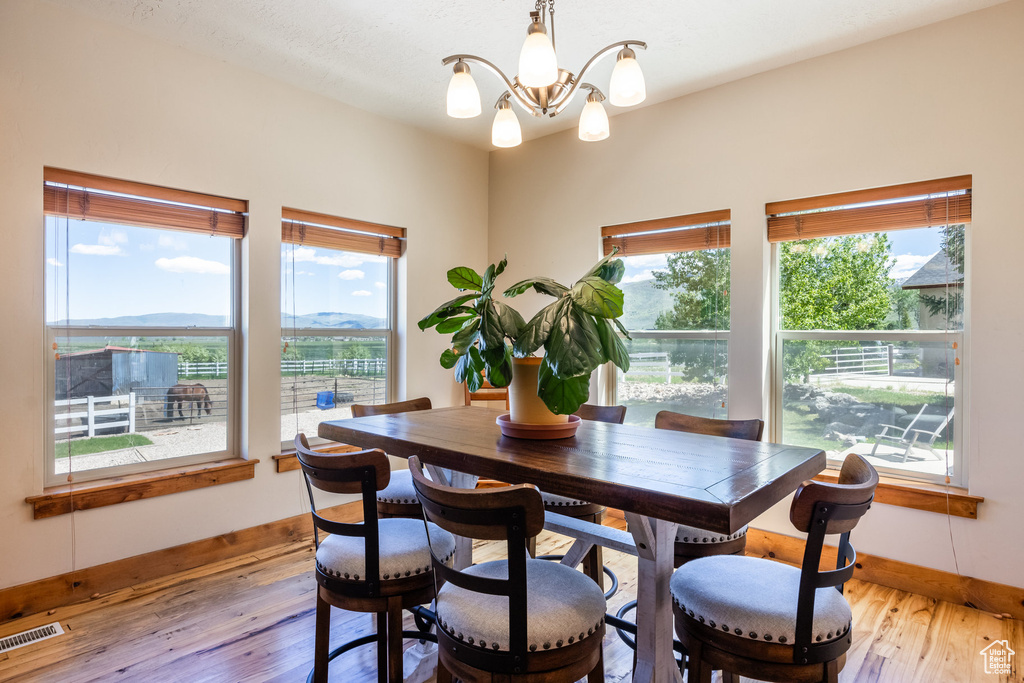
[(31, 636)]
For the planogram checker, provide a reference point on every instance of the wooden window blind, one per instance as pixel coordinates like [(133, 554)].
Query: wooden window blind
[(898, 207), (344, 234), (708, 230), (110, 200)]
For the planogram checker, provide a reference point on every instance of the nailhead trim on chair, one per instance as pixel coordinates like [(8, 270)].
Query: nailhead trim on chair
[(753, 635), (533, 646)]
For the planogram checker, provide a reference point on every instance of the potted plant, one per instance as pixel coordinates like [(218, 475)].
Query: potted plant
[(577, 332)]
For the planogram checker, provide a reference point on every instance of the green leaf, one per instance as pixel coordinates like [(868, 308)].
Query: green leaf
[(597, 297), (501, 266), (492, 335), (475, 377), (511, 322), (544, 285), (465, 278), (465, 337), (614, 349), (535, 333), (574, 347), (443, 311), (607, 269), (488, 281), (499, 369), (463, 367), (622, 329), (453, 324), (562, 396), (448, 359)]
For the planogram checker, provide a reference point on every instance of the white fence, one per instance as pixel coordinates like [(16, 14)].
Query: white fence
[(364, 366), (859, 360), (653, 364), (91, 413)]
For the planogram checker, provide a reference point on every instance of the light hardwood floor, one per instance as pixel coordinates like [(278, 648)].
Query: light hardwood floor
[(251, 619)]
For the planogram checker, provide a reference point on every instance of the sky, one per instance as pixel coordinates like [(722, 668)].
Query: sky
[(911, 249), (121, 270)]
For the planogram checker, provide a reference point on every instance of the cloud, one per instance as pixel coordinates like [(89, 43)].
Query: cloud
[(97, 250), (147, 247), (643, 275), (113, 238), (362, 292), (380, 285), (344, 260), (174, 242), (908, 264), (192, 264), (645, 261), (351, 275), (55, 262)]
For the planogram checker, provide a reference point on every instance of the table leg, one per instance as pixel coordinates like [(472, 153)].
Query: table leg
[(655, 541), (461, 480)]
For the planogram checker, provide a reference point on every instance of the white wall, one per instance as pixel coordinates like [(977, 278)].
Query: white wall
[(940, 101), (83, 95)]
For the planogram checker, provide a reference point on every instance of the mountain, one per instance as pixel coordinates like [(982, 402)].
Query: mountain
[(642, 304), (153, 320), (332, 320)]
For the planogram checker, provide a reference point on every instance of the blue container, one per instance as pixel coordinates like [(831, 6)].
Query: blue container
[(324, 400)]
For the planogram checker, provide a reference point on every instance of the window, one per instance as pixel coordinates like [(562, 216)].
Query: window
[(870, 325), (676, 309), (141, 312), (337, 318)]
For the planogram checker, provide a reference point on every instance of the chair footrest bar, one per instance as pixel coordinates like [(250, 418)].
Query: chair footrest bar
[(621, 625)]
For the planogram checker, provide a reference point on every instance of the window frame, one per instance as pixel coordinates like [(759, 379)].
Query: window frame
[(389, 334), (959, 477), (233, 422)]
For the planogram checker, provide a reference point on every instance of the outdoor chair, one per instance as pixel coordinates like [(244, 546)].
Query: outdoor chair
[(381, 566), (755, 617), (516, 620), (399, 498), (913, 436)]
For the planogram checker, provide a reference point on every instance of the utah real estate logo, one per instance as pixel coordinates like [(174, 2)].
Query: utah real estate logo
[(997, 658)]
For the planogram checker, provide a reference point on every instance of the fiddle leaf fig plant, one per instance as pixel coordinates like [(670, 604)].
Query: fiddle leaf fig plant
[(483, 328), (577, 332)]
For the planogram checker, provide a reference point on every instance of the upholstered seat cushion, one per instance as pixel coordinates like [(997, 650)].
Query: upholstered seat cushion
[(754, 598), (551, 500), (399, 489), (564, 607), (403, 551), (692, 534)]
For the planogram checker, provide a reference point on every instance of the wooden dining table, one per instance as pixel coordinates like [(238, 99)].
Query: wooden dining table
[(658, 478)]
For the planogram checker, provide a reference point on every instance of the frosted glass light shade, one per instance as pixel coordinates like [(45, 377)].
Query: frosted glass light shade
[(627, 86), (593, 122), (463, 96), (538, 67), (505, 131)]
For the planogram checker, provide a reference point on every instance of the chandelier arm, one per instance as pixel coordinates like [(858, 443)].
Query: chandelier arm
[(563, 101), (512, 88)]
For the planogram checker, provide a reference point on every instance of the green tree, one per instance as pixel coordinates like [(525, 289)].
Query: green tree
[(699, 282), (832, 283), (950, 304)]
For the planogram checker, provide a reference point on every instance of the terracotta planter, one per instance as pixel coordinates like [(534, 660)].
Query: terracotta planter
[(524, 404)]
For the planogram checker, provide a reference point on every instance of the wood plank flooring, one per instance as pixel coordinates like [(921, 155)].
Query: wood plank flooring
[(251, 619)]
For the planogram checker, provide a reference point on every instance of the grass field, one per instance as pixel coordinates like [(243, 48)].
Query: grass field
[(99, 444)]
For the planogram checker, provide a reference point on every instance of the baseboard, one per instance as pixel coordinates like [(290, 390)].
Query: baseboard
[(92, 582)]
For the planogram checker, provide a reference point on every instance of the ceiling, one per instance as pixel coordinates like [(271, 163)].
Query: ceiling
[(385, 57)]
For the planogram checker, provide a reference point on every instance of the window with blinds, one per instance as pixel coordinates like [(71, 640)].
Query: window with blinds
[(870, 325), (676, 309), (337, 317), (141, 311)]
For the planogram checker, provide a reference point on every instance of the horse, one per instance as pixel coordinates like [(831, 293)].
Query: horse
[(188, 393)]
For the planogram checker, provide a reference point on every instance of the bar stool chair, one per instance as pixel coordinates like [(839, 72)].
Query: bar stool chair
[(693, 542), (754, 617), (380, 566), (593, 563), (399, 498), (517, 620)]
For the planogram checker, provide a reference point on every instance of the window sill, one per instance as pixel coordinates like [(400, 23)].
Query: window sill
[(287, 462), (921, 496), (60, 500)]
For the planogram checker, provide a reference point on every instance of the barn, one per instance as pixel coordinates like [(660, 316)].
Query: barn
[(114, 371)]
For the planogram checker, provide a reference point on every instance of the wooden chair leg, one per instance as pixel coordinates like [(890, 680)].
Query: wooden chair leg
[(593, 565), (531, 545), (832, 671), (322, 635), (729, 677), (382, 647), (395, 673), (697, 670), (596, 674), (443, 674)]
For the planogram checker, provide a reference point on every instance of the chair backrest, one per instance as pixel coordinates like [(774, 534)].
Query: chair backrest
[(750, 430), (822, 508), (510, 513), (613, 414), (363, 472), (360, 410)]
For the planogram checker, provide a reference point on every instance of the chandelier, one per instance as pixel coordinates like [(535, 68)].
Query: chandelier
[(542, 88)]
